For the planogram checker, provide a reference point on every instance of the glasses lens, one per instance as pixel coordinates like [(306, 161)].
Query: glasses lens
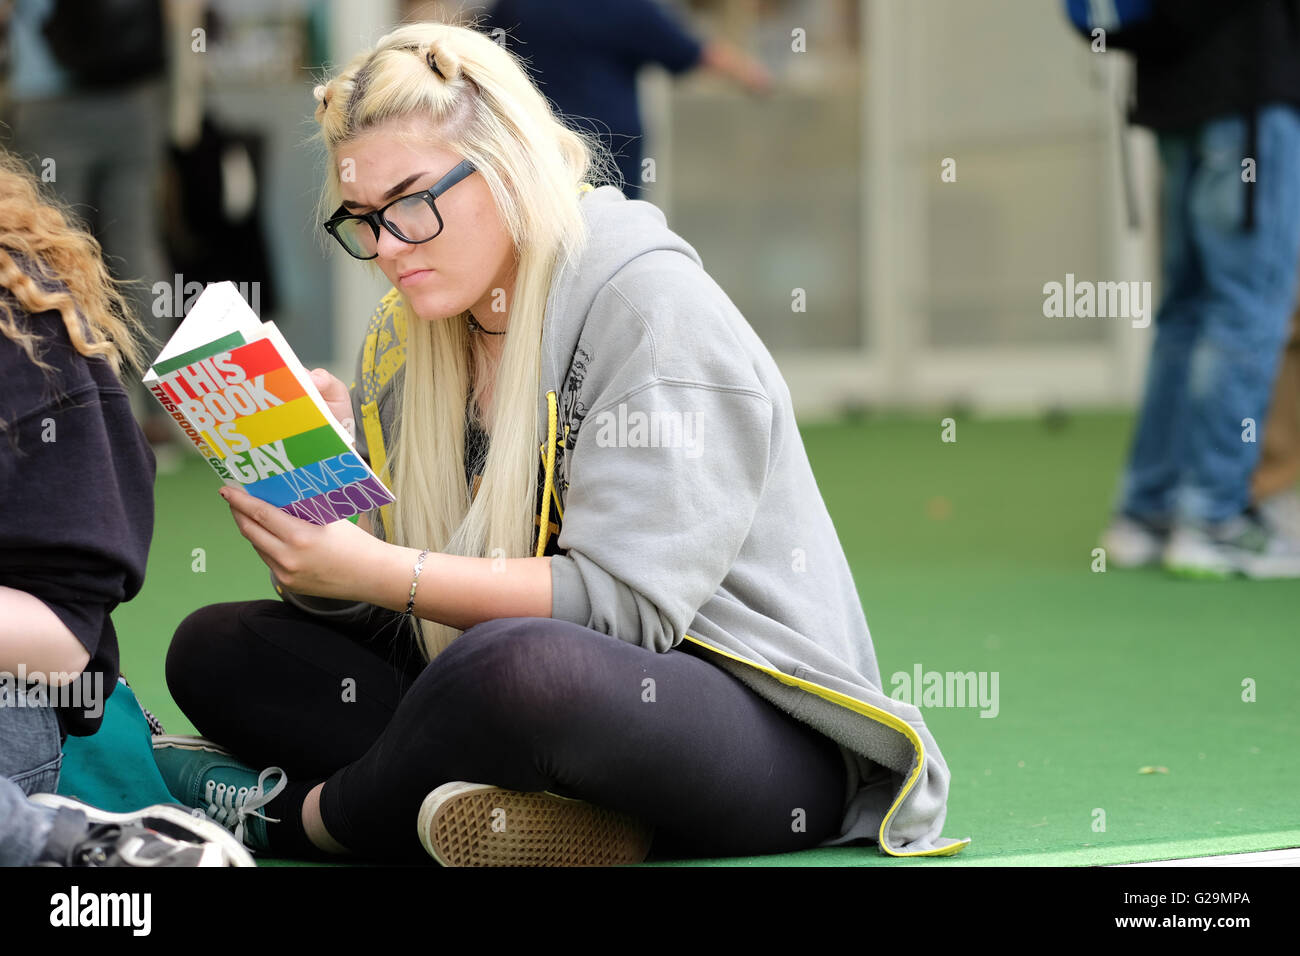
[(356, 237), (413, 219)]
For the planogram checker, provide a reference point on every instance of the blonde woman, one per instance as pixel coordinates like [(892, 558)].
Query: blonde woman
[(608, 605)]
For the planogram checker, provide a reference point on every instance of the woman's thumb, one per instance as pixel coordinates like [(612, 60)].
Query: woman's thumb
[(336, 396), (330, 388)]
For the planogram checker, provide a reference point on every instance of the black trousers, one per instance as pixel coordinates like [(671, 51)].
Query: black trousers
[(522, 703)]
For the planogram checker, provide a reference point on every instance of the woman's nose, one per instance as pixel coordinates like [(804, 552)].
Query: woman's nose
[(389, 246)]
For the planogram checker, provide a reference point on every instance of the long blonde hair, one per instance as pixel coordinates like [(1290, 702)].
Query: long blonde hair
[(40, 240), (480, 104)]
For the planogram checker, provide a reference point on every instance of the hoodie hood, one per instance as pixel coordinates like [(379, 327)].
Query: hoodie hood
[(620, 230)]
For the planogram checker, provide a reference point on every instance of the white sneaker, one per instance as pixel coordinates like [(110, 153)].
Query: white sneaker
[(1242, 545), (1130, 543), (155, 836)]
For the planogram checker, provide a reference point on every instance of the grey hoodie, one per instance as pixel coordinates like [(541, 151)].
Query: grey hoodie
[(688, 510)]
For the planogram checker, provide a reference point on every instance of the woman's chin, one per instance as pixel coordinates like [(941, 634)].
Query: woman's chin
[(433, 308)]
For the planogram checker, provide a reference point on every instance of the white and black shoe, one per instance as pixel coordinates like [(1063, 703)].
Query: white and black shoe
[(82, 835), (1246, 545)]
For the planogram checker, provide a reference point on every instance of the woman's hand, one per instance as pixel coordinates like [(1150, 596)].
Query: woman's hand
[(320, 560), (337, 398)]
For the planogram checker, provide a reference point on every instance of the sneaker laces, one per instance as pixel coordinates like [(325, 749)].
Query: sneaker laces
[(230, 806)]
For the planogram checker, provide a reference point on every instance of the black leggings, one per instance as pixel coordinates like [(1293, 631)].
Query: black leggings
[(522, 703)]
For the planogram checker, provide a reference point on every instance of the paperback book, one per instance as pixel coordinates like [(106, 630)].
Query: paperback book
[(239, 394)]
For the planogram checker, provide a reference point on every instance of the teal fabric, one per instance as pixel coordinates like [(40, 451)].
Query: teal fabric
[(114, 769)]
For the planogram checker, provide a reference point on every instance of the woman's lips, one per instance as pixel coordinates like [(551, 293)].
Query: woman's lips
[(414, 276)]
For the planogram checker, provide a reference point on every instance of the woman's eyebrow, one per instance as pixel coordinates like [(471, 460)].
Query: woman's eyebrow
[(395, 191)]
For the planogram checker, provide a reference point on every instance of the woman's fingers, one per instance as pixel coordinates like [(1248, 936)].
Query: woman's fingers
[(267, 545), (283, 526), (305, 557), (275, 536)]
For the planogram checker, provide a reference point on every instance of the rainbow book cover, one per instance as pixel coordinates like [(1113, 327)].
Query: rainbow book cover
[(234, 387)]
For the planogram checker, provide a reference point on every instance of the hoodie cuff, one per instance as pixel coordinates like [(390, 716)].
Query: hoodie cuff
[(569, 600)]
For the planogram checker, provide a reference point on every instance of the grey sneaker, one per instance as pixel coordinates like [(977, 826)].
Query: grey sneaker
[(1242, 545), (82, 835)]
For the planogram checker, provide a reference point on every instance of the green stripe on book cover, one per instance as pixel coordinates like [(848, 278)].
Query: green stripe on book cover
[(223, 344), (313, 446)]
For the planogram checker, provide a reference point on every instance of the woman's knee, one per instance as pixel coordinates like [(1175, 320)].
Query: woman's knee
[(527, 671), (204, 653)]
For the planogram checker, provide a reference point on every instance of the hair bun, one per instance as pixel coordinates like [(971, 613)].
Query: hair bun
[(443, 62)]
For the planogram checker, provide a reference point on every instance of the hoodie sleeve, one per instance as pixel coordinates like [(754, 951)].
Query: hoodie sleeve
[(649, 533)]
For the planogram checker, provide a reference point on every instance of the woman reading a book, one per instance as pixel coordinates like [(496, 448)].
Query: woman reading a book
[(608, 604)]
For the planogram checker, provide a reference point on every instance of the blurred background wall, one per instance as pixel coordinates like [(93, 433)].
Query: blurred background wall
[(820, 208), (919, 290)]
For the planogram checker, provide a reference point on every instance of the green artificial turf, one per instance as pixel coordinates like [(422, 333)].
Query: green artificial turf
[(973, 555)]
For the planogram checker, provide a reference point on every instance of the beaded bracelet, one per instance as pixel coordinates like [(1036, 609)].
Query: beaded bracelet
[(419, 566)]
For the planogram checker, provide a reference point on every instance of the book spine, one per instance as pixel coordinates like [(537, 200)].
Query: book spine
[(190, 431)]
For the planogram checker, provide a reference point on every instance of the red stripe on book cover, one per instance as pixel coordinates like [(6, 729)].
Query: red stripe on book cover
[(257, 358)]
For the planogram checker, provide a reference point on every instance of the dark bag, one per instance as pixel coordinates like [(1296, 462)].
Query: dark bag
[(213, 199), (114, 769), (1127, 22), (107, 43)]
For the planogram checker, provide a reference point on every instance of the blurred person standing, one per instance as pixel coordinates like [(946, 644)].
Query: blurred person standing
[(1219, 84), (90, 118), (585, 56)]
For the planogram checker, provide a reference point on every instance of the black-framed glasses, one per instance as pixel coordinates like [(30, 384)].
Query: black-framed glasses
[(414, 218)]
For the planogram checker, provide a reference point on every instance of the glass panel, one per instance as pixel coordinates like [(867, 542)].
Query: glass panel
[(1023, 217), (768, 190), (1006, 91)]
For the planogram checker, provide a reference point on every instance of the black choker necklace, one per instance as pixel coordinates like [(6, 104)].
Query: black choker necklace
[(475, 327)]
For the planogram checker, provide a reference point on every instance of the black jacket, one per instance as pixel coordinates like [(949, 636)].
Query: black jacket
[(1202, 59), (76, 496)]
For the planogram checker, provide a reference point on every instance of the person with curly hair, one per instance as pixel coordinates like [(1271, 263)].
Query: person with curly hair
[(76, 519)]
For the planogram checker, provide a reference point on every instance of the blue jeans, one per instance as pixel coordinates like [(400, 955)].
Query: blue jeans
[(30, 756), (1227, 301)]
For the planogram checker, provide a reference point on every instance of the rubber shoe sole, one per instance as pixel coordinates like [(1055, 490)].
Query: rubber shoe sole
[(174, 822), (180, 742), (475, 824)]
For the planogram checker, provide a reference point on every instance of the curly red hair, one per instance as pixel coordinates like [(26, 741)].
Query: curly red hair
[(38, 235)]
